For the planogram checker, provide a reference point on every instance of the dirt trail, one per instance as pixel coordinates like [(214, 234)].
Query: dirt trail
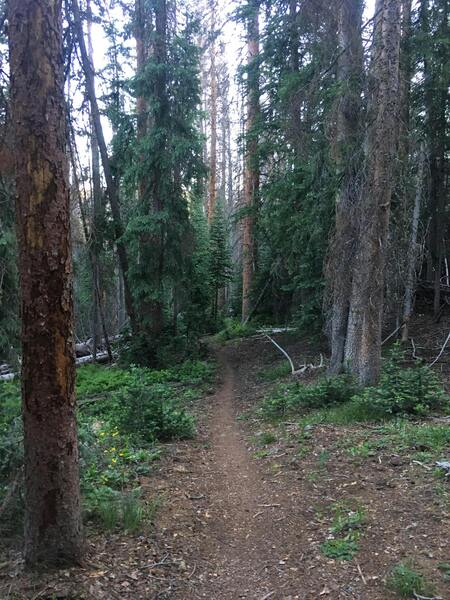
[(244, 545), (239, 501)]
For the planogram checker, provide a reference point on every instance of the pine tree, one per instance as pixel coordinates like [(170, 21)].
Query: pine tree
[(220, 263), (52, 494)]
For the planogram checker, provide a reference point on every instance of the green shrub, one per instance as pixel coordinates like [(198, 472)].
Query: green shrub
[(403, 391), (193, 372), (234, 329), (404, 580), (295, 397), (11, 433), (340, 549), (150, 413)]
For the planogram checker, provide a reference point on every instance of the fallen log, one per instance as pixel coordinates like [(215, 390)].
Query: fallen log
[(102, 357)]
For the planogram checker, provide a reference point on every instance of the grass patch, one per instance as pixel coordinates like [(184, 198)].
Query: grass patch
[(411, 391), (292, 398), (405, 580), (404, 436)]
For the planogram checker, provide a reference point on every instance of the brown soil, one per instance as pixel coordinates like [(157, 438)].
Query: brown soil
[(238, 524)]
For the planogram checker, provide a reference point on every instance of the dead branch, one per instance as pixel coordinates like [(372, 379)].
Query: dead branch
[(283, 352), (418, 597), (442, 350), (393, 333), (301, 370)]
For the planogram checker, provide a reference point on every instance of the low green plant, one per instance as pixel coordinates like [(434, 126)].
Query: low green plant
[(347, 519), (403, 391), (112, 509), (233, 329), (346, 530), (362, 450), (124, 415), (405, 581), (340, 549), (150, 414), (404, 436), (133, 511), (297, 397)]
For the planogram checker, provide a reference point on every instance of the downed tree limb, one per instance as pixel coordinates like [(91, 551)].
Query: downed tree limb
[(101, 357), (419, 597), (442, 350), (301, 369), (283, 352)]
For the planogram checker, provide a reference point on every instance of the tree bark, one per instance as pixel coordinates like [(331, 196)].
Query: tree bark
[(96, 210), (111, 186), (366, 308), (251, 168), (348, 157), (156, 183), (413, 249), (212, 185), (437, 81), (53, 534)]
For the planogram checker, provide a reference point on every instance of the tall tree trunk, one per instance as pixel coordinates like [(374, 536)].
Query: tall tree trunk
[(96, 210), (251, 167), (53, 534), (91, 254), (212, 186), (156, 183), (140, 17), (364, 343), (111, 186), (348, 158), (411, 264), (437, 81)]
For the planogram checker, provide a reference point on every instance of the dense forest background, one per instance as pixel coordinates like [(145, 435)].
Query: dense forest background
[(177, 174), (211, 180)]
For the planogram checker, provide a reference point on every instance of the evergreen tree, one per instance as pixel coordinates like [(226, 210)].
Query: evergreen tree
[(220, 263)]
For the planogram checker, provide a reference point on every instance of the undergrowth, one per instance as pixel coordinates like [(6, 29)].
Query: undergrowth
[(233, 329), (124, 415), (345, 531), (402, 391), (407, 582)]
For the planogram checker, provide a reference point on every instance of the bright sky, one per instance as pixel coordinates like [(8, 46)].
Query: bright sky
[(232, 38)]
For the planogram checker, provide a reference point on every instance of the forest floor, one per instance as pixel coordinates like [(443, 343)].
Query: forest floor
[(247, 506)]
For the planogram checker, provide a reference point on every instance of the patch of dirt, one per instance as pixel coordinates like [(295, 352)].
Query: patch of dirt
[(238, 524)]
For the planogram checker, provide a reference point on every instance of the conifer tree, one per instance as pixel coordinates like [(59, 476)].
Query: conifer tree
[(52, 495)]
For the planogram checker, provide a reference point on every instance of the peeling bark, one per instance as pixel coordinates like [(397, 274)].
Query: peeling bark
[(53, 533)]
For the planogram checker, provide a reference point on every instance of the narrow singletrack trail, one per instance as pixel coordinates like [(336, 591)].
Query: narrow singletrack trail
[(244, 544)]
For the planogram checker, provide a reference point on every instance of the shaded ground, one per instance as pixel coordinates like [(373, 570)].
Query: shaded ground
[(244, 520)]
